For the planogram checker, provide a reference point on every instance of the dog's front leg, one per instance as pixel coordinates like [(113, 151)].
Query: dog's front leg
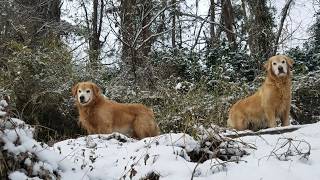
[(271, 118), (285, 117)]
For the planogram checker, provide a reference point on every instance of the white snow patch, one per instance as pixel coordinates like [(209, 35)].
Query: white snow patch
[(3, 103), (167, 156), (17, 175), (116, 156)]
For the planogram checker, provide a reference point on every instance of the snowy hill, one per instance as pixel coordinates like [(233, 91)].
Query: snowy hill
[(294, 155), (284, 156)]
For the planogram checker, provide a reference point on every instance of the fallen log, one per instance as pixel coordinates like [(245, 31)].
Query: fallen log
[(269, 131)]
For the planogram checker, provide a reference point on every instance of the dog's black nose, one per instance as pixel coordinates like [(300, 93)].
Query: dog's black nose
[(81, 98), (280, 68)]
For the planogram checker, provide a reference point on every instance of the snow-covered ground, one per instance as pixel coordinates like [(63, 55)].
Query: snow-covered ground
[(294, 155), (282, 156)]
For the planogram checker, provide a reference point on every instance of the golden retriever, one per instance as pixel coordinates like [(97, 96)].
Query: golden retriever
[(97, 114), (270, 102)]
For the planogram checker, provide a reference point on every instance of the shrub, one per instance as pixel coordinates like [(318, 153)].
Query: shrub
[(39, 82)]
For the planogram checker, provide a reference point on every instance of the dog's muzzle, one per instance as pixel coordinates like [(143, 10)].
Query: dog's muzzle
[(280, 68), (81, 99)]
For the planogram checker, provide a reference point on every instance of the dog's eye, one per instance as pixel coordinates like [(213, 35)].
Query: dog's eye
[(274, 63), (79, 91), (88, 91), (283, 62)]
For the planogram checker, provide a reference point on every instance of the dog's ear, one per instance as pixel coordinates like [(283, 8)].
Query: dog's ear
[(74, 90), (289, 61), (267, 65), (96, 90)]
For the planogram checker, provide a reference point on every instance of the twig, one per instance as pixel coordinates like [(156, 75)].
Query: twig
[(291, 150)]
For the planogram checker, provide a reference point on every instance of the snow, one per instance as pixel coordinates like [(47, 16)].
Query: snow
[(18, 139), (2, 113), (184, 86), (262, 164), (294, 155), (17, 175), (120, 155), (178, 86), (167, 155), (3, 105)]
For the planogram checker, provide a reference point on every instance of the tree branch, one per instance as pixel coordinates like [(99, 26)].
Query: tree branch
[(208, 21), (198, 35), (149, 23), (150, 37), (101, 17), (284, 15), (86, 15)]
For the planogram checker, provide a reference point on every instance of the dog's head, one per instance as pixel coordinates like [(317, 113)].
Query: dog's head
[(85, 93), (279, 65)]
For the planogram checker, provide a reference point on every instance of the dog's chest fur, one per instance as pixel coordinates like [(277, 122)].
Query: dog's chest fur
[(88, 118), (280, 96)]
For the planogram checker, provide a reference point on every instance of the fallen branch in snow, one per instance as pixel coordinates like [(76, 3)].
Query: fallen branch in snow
[(288, 147), (271, 131), (223, 150)]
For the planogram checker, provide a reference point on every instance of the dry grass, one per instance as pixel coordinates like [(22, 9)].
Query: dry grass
[(187, 110)]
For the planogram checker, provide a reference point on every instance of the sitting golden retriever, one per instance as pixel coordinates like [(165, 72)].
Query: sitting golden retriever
[(97, 114), (270, 102)]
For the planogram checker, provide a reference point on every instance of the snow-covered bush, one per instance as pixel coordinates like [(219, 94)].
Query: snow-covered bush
[(225, 63), (306, 58), (39, 83), (306, 98), (177, 63), (22, 157)]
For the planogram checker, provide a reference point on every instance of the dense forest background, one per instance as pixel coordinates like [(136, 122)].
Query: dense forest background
[(187, 65)]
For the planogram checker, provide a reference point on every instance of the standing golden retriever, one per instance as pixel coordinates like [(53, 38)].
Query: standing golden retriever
[(270, 102), (97, 114)]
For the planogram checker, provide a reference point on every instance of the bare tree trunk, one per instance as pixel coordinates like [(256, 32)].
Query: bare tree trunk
[(173, 34), (179, 22), (245, 18), (94, 35), (146, 32), (283, 18), (162, 25), (128, 55), (137, 40), (219, 30), (244, 9), (227, 12), (261, 36), (212, 19), (147, 76)]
